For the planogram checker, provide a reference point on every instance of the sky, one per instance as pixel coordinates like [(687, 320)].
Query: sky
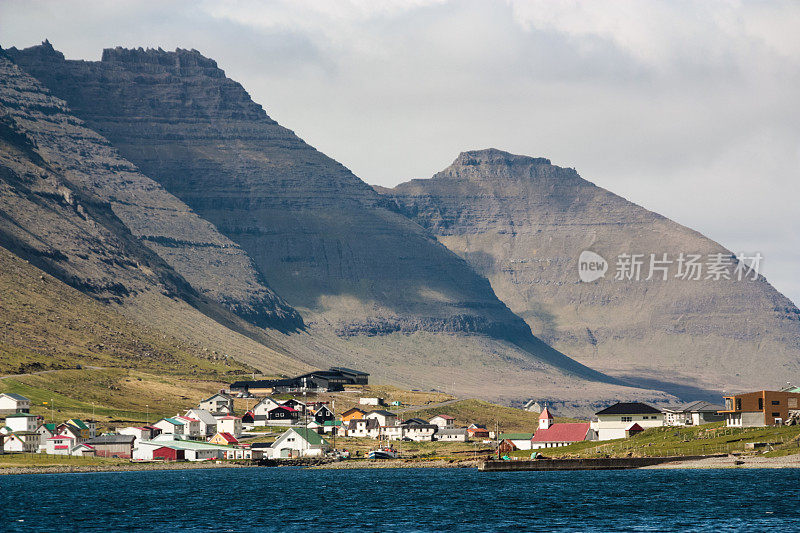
[(689, 109)]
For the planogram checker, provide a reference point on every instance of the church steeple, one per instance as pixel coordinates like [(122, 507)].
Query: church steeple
[(545, 419)]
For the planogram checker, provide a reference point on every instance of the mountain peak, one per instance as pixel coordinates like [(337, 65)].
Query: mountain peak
[(493, 156), (181, 57)]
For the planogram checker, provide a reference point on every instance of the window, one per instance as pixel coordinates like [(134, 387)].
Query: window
[(792, 403), (627, 419), (760, 404), (776, 402), (738, 404), (776, 415)]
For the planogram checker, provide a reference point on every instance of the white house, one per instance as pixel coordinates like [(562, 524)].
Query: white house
[(13, 403), (45, 431), (60, 445), (384, 418), (140, 433), (83, 450), (261, 411), (692, 414), (364, 427), (452, 435), (419, 432), (171, 426), (182, 449), (443, 421), (371, 401), (521, 441), (230, 424), (191, 427), (218, 403), (22, 422), (299, 442), (22, 441), (616, 421), (208, 423)]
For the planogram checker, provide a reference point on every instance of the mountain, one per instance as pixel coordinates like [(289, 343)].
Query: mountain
[(523, 223), (71, 207), (375, 290)]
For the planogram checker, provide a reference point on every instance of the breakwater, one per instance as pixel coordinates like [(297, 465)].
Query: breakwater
[(605, 463)]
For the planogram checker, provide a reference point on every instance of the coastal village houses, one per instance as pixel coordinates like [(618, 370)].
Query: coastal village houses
[(692, 414), (11, 403), (299, 442), (218, 403), (550, 434)]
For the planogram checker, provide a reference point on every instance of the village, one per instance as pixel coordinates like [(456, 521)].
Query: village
[(293, 419)]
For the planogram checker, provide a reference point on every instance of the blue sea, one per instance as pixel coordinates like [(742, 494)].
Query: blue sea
[(294, 499)]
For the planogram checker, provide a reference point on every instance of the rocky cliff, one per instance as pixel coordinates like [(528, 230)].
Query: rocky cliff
[(376, 290), (524, 222)]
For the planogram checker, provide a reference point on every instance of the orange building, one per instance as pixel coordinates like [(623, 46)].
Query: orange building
[(353, 414), (759, 409)]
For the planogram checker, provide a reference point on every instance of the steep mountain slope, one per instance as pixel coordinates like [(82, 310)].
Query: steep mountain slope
[(213, 264), (374, 287), (523, 223), (53, 215)]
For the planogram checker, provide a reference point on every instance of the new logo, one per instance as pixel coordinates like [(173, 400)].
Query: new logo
[(591, 266)]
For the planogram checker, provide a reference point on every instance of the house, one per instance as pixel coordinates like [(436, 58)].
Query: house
[(299, 442), (223, 439), (11, 403), (141, 433), (218, 403), (478, 432), (230, 424), (533, 406), (615, 421), (371, 401), (452, 435), (761, 408), (352, 414), (243, 453), (83, 450), (176, 448), (364, 427), (60, 445), (417, 430), (21, 441), (323, 414), (171, 426), (394, 432), (261, 411), (206, 420), (551, 435), (331, 426), (120, 446), (45, 431), (356, 377), (296, 404), (319, 380), (68, 430), (22, 422), (86, 429), (515, 441), (443, 421), (282, 415), (384, 418), (692, 414), (191, 427)]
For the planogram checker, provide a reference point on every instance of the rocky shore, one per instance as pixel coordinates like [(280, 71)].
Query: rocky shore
[(788, 461), (125, 467)]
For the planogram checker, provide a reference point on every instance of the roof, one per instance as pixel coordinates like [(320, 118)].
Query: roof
[(21, 415), (369, 423), (452, 431), (311, 436), (202, 415), (516, 436), (381, 412), (634, 427), (346, 370), (332, 423), (353, 410), (112, 439), (226, 396), (545, 414), (290, 409), (189, 418), (567, 432), (446, 417), (61, 437), (78, 423), (173, 421), (632, 408), (229, 417), (228, 437), (14, 396), (695, 407), (415, 422)]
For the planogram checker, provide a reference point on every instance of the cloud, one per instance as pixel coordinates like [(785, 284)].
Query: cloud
[(687, 108)]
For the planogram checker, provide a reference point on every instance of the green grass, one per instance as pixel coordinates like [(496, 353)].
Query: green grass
[(707, 439), (41, 459)]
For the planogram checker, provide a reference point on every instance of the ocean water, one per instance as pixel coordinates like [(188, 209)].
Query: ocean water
[(294, 499)]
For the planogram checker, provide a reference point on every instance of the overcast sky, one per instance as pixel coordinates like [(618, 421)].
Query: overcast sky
[(687, 108)]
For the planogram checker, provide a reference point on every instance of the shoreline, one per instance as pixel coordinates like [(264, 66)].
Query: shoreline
[(727, 462)]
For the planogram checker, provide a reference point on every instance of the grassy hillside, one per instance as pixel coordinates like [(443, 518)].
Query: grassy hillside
[(45, 324)]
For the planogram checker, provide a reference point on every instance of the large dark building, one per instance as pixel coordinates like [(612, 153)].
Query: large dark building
[(327, 380)]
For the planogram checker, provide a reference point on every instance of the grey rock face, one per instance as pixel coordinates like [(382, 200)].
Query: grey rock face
[(523, 222), (213, 264)]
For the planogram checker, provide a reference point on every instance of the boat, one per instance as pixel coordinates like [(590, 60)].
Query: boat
[(383, 453)]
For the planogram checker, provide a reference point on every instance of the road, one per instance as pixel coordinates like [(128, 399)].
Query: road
[(428, 406)]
